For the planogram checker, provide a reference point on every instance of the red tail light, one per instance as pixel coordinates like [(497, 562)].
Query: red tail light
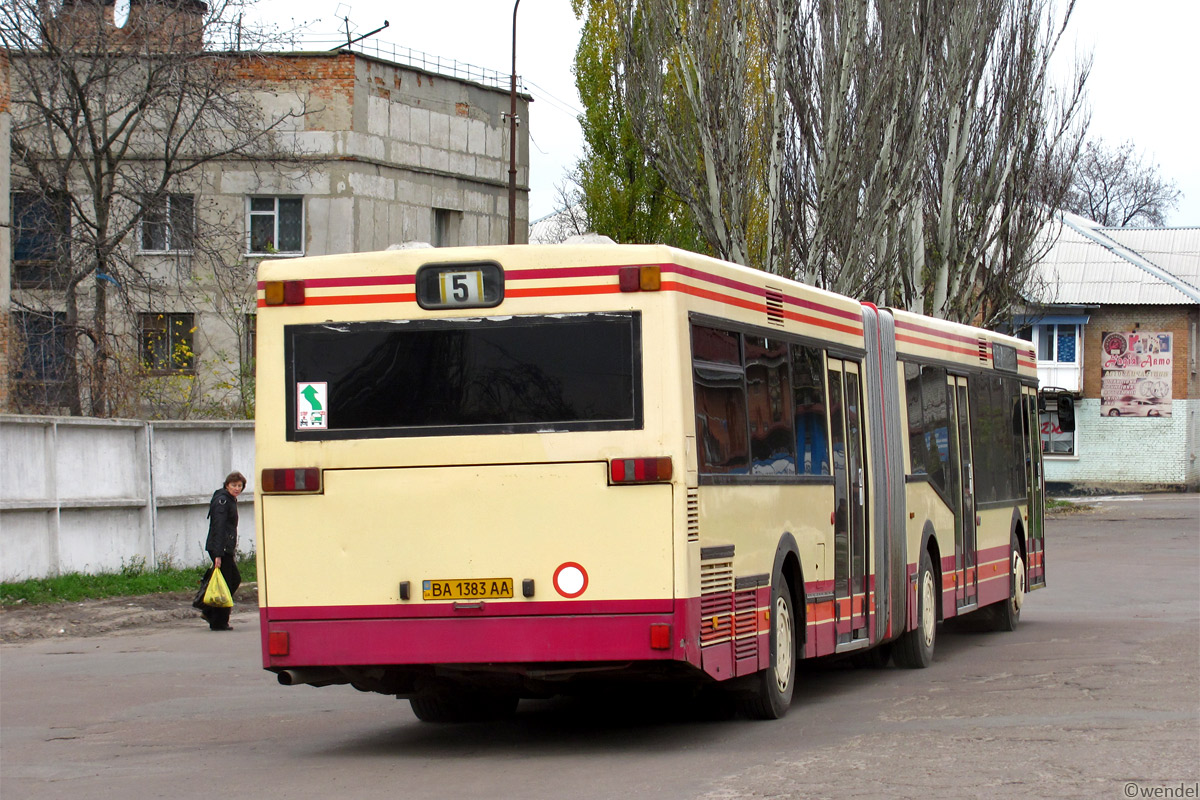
[(660, 636), (640, 470), (281, 481), (277, 643)]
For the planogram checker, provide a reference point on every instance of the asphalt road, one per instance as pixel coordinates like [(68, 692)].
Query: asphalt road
[(1097, 694)]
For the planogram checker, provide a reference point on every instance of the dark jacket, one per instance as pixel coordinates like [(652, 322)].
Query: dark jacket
[(222, 525)]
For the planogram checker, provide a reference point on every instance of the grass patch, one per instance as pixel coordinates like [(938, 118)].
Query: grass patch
[(134, 578), (1065, 506)]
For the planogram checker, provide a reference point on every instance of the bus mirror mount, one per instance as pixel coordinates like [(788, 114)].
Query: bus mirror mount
[(1066, 413)]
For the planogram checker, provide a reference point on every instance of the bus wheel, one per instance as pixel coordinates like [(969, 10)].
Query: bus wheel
[(1006, 615), (463, 707), (914, 649), (773, 686)]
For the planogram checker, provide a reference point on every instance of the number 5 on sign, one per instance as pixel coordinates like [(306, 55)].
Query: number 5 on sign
[(461, 288)]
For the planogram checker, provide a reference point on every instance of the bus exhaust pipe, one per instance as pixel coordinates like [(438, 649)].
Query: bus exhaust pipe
[(311, 677)]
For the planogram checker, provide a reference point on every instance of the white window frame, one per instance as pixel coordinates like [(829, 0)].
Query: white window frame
[(167, 219), (1051, 371), (273, 213), (1052, 358)]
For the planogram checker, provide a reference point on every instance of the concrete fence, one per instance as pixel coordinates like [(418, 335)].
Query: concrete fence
[(95, 495)]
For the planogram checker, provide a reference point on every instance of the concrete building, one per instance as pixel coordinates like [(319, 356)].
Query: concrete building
[(1116, 323), (385, 152)]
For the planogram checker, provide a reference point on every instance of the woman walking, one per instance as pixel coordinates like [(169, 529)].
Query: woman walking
[(222, 543)]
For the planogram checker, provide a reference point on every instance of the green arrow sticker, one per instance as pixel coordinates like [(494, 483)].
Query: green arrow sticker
[(311, 402), (310, 394)]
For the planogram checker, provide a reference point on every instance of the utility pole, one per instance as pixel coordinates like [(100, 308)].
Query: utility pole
[(512, 138)]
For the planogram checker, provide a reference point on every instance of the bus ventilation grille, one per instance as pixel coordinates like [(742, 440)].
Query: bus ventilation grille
[(693, 516), (716, 577), (983, 351), (774, 306), (745, 624)]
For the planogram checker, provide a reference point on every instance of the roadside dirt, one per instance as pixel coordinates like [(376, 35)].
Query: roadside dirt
[(115, 614)]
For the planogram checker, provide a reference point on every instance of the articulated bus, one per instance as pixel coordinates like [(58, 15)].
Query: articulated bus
[(505, 472)]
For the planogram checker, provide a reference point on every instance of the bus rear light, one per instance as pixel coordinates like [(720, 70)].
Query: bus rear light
[(660, 636), (640, 470), (284, 293), (283, 481), (646, 278), (277, 643)]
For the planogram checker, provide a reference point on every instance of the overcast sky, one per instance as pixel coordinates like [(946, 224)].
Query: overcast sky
[(1145, 58)]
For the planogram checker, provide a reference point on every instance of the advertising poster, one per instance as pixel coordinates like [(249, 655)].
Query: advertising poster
[(1135, 374)]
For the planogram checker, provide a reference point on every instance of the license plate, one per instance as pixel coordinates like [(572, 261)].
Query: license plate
[(467, 589)]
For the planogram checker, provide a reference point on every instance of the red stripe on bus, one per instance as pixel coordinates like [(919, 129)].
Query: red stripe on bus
[(562, 291), (729, 283), (489, 609), (560, 272), (928, 331), (706, 294), (349, 299), (361, 280), (974, 351)]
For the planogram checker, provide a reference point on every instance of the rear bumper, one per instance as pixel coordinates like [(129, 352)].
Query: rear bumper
[(377, 636)]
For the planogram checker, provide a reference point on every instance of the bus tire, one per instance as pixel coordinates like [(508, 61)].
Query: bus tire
[(914, 649), (436, 707), (773, 687), (1007, 614), (463, 707)]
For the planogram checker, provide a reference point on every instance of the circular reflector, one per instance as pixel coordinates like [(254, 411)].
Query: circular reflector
[(570, 579)]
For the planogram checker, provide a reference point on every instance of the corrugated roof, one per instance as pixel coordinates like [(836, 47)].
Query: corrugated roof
[(1176, 250), (1090, 265)]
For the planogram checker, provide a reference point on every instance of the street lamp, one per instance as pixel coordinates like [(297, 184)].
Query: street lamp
[(512, 139)]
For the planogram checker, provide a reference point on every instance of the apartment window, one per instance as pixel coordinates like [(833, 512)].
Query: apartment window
[(169, 223), (276, 225), (446, 224), (1058, 343), (250, 339), (42, 370), (1059, 346), (167, 342), (41, 241)]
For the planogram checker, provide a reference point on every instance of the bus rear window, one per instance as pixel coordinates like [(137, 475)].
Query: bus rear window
[(569, 372)]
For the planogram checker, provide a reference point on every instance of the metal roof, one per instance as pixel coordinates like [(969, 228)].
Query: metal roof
[(1176, 250), (1091, 265)]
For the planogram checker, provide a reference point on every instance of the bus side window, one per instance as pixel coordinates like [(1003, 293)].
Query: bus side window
[(812, 436), (769, 393), (720, 397), (929, 423)]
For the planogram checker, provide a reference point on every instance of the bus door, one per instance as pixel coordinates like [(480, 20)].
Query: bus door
[(1033, 474), (851, 564), (964, 517)]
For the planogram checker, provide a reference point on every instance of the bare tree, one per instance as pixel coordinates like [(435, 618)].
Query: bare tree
[(108, 124), (691, 72), (856, 80), (1004, 143), (906, 152), (1116, 187)]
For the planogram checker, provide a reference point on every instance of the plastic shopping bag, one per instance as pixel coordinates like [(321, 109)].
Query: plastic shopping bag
[(217, 594)]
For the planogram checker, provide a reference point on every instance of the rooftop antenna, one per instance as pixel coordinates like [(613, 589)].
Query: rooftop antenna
[(350, 41)]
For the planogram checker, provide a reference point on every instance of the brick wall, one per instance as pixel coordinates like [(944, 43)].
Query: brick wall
[(1171, 319)]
